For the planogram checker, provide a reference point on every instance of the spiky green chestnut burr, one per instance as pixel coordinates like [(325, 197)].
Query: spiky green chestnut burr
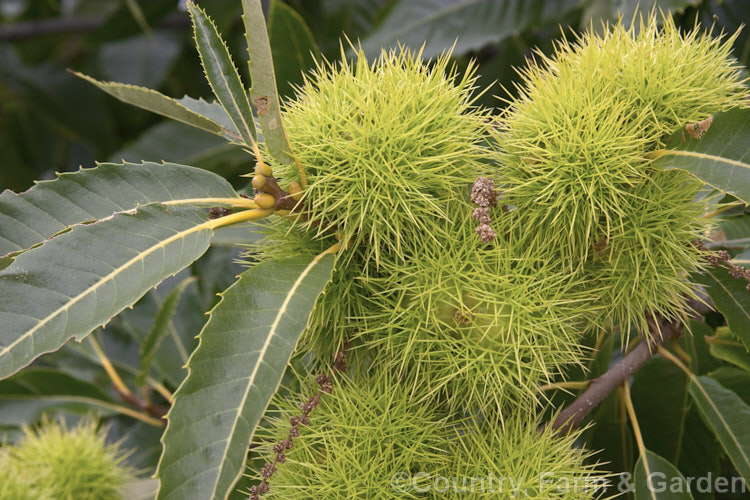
[(361, 434), (675, 77), (575, 142), (14, 483), (479, 325), (574, 153), (643, 268), (71, 464), (384, 145), (517, 460)]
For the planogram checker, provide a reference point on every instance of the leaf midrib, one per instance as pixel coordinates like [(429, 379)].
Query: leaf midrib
[(253, 375), (724, 422), (217, 62), (429, 18), (701, 156), (647, 468), (80, 399), (74, 300), (731, 296)]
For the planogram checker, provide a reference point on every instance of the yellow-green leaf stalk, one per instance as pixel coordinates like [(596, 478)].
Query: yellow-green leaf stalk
[(69, 464), (574, 158)]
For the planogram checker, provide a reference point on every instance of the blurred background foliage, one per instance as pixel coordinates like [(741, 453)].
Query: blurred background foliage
[(51, 121)]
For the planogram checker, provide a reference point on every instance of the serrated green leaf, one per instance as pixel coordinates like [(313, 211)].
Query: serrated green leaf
[(660, 399), (598, 11), (24, 397), (211, 110), (700, 454), (293, 46), (106, 266), (160, 328), (727, 416), (263, 92), (731, 298), (238, 365), (720, 158), (158, 103), (694, 343), (657, 479), (222, 74), (470, 24), (734, 379), (724, 346), (29, 218)]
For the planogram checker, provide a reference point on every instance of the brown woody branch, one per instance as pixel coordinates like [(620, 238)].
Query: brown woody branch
[(661, 332)]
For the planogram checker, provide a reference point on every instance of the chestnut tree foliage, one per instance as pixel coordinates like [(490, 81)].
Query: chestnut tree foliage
[(549, 288)]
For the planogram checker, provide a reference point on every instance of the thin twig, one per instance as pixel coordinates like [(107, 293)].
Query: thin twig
[(109, 368), (662, 332), (638, 436), (62, 26), (121, 389), (156, 411)]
